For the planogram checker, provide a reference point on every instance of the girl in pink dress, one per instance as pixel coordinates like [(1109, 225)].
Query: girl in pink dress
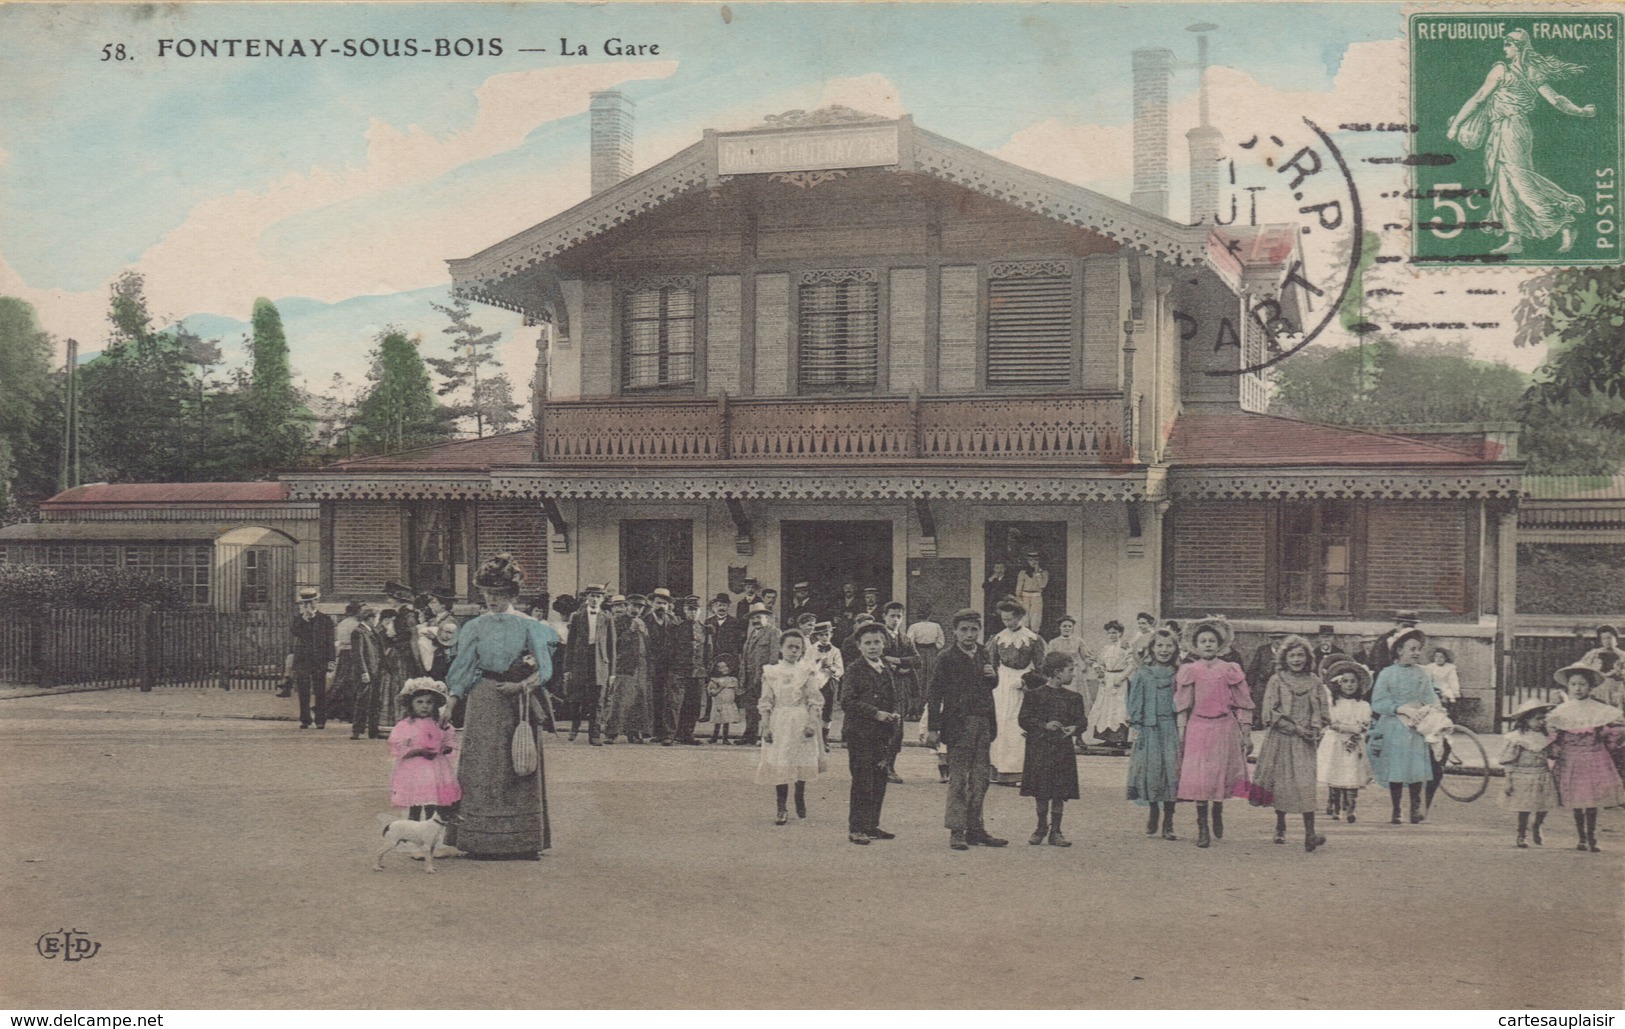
[(1586, 730), (425, 775), (1214, 709)]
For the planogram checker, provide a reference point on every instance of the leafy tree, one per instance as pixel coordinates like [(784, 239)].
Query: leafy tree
[(490, 398), (139, 393), (25, 372), (1384, 383), (1580, 314), (276, 425), (400, 409)]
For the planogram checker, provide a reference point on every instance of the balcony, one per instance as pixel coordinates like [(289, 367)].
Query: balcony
[(1074, 428)]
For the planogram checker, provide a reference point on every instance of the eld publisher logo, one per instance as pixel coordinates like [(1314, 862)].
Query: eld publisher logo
[(67, 944)]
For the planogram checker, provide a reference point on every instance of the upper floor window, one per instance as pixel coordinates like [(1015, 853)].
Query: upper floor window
[(657, 332), (1316, 565), (838, 330), (1029, 324)]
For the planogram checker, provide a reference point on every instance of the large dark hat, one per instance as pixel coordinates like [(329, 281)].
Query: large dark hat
[(447, 597), (722, 598), (398, 591), (500, 574)]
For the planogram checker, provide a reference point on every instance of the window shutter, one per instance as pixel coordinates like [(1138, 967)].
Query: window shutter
[(838, 333), (657, 336), (1029, 325)]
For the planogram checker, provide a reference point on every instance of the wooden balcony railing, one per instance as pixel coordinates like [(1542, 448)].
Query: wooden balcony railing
[(1076, 428)]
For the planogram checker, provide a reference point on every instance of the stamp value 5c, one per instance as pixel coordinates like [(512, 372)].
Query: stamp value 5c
[(1516, 150)]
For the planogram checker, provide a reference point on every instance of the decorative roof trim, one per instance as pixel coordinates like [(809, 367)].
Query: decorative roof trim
[(1327, 484), (390, 486), (489, 276), (1104, 486)]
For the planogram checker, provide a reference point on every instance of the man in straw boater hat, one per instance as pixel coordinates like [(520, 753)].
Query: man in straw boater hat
[(589, 662), (312, 658), (661, 621), (801, 602), (960, 712)]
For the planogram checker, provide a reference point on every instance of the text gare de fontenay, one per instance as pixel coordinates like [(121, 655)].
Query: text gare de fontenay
[(372, 46)]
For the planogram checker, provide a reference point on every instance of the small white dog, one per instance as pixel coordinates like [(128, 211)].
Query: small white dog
[(425, 836)]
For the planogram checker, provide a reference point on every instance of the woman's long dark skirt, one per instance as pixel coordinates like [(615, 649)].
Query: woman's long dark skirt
[(500, 813)]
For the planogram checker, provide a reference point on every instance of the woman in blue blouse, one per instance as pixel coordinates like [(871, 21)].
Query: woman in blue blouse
[(497, 662)]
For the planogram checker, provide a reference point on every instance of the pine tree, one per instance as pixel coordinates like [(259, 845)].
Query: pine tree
[(490, 396), (277, 425), (400, 409), (139, 394)]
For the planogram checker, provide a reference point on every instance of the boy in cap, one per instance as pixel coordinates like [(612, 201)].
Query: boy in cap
[(872, 719), (960, 711)]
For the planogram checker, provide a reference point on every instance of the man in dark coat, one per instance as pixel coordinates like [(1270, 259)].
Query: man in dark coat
[(589, 662), (960, 711), (688, 671), (869, 698), (725, 634), (761, 648), (661, 621), (752, 597), (1327, 652), (312, 658), (801, 602), (367, 650)]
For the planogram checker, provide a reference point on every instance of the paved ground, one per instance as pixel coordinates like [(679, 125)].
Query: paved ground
[(222, 859)]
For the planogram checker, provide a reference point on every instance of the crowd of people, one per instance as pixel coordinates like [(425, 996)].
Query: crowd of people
[(1006, 708)]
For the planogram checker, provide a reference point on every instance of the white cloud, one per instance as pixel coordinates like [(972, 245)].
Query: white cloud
[(215, 260)]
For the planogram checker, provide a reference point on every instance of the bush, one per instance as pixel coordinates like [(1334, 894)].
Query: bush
[(1571, 579), (31, 588)]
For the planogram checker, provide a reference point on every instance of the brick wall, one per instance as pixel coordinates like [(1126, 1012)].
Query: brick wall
[(367, 547), (517, 527), (1218, 557), (1416, 557)]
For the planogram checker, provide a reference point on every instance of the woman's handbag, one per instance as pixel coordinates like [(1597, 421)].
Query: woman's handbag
[(524, 742)]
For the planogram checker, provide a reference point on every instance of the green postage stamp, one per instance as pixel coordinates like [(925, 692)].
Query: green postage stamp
[(1516, 153)]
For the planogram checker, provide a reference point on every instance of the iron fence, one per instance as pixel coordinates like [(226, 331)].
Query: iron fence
[(143, 647)]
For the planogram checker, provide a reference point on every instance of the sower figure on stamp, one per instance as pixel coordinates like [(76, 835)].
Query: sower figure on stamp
[(960, 711), (312, 658), (872, 717), (589, 662)]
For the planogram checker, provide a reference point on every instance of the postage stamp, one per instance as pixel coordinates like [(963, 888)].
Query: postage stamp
[(1516, 152)]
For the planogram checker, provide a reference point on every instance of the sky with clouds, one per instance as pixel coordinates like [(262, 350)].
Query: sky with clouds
[(223, 179)]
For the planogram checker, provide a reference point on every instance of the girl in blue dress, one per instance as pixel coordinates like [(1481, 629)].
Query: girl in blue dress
[(1153, 767), (1400, 756)]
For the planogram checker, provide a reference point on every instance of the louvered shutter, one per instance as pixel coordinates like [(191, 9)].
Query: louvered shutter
[(1029, 331), (838, 334)]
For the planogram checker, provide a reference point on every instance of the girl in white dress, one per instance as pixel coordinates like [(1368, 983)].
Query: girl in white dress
[(1015, 650), (1342, 762), (792, 710), (1108, 716)]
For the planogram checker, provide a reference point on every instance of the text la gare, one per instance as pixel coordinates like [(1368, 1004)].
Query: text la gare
[(612, 47)]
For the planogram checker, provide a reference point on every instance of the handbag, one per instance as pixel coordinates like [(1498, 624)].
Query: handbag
[(524, 743)]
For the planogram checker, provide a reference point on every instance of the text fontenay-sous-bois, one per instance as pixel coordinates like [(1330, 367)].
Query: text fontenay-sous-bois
[(373, 46)]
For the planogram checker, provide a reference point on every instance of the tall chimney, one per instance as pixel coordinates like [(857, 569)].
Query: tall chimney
[(1151, 70), (611, 139), (1205, 142)]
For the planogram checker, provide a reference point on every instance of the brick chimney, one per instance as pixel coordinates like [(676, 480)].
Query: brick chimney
[(1151, 70), (1206, 143), (611, 139)]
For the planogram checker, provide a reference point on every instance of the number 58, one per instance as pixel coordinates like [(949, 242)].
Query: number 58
[(114, 52)]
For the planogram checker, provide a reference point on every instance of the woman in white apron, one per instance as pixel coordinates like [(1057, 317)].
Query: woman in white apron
[(1015, 650)]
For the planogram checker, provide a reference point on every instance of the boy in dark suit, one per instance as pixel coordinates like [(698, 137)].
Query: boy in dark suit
[(872, 717), (961, 714)]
